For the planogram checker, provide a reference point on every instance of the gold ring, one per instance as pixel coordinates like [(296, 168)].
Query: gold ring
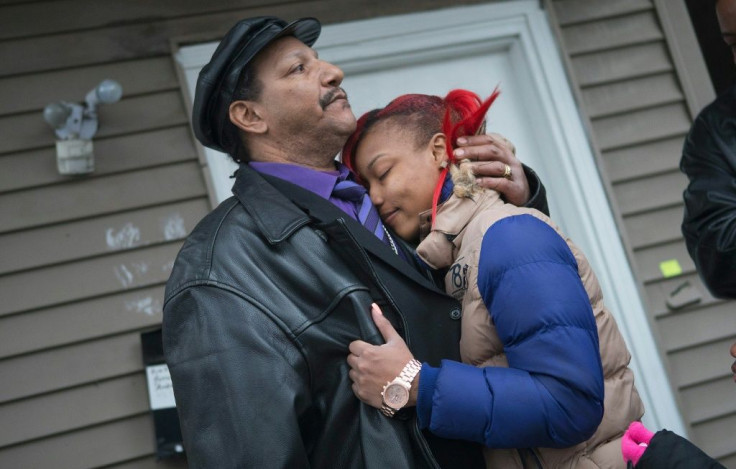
[(507, 171)]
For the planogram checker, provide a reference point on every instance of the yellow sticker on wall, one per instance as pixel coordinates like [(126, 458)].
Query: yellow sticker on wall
[(670, 268)]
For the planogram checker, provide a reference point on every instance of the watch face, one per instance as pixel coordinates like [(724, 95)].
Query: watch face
[(396, 396)]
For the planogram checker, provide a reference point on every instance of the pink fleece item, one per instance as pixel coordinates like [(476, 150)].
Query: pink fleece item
[(635, 441)]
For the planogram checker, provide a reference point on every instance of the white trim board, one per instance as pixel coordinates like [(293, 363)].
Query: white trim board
[(568, 168)]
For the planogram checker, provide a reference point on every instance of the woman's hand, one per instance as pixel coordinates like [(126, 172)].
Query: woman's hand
[(372, 366), (489, 156)]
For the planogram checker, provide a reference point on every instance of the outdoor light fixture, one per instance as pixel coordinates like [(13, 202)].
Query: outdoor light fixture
[(75, 124)]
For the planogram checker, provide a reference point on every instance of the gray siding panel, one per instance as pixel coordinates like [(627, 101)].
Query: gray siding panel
[(136, 77), (577, 11), (86, 279), (641, 126), (654, 228), (112, 155), (638, 93), (617, 32), (102, 317), (705, 363), (72, 409), (91, 237), (686, 329), (66, 367), (28, 131), (54, 204), (653, 193), (620, 64), (91, 447), (643, 160), (632, 95), (710, 400)]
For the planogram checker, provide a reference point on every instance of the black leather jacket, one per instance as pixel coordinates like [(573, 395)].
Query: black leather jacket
[(264, 298), (709, 224)]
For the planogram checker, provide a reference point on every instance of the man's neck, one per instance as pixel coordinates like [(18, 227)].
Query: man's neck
[(309, 158)]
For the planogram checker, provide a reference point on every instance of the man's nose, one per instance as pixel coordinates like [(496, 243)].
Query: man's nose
[(332, 75)]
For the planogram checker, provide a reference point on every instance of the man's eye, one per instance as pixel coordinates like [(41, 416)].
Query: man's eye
[(384, 174), (298, 68)]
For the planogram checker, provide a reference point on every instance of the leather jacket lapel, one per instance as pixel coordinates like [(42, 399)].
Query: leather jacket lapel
[(326, 213)]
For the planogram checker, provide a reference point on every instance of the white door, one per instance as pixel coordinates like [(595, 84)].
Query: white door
[(508, 44)]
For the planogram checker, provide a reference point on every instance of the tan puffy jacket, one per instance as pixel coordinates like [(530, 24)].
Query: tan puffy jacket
[(466, 220)]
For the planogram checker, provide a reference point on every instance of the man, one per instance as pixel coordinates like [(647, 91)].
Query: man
[(271, 287), (709, 161)]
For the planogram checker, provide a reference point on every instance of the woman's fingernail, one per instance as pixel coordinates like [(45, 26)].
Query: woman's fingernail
[(459, 152), (462, 140)]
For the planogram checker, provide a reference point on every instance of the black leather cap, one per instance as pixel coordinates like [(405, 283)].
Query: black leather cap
[(218, 79)]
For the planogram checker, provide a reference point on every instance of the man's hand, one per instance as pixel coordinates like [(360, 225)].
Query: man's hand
[(372, 366), (489, 155)]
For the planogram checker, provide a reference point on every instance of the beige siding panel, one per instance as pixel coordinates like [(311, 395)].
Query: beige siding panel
[(72, 409), (53, 204), (577, 11), (49, 17), (710, 400), (715, 437), (27, 131), (71, 366), (152, 39), (641, 126), (112, 155), (631, 95), (700, 364), (658, 291), (76, 240), (33, 93), (649, 259), (653, 228), (92, 447), (86, 279), (689, 328), (84, 320), (644, 160), (612, 32), (655, 192), (621, 64)]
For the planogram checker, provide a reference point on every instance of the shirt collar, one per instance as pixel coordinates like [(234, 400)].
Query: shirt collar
[(320, 182)]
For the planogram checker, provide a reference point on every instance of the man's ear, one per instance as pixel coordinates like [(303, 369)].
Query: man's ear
[(247, 116), (437, 146)]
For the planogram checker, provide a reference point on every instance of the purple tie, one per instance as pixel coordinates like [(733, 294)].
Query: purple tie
[(367, 213)]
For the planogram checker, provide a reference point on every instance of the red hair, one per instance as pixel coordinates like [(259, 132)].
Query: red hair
[(460, 113)]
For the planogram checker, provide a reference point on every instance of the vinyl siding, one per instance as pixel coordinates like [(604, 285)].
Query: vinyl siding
[(630, 93)]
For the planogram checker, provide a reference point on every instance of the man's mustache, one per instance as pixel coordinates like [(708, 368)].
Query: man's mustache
[(331, 95)]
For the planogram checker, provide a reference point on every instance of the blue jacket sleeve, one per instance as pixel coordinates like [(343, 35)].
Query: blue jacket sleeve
[(552, 393)]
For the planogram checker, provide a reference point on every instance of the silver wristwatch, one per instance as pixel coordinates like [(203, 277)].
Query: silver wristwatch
[(395, 393)]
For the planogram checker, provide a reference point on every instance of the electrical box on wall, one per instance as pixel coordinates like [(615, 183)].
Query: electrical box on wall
[(161, 397)]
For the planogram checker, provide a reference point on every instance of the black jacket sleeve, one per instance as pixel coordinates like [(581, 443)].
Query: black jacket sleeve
[(709, 223), (225, 354), (538, 197), (668, 450)]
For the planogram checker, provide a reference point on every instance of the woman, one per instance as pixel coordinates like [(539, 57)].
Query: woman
[(531, 388)]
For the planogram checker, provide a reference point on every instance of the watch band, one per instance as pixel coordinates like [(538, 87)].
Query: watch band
[(407, 375), (411, 370)]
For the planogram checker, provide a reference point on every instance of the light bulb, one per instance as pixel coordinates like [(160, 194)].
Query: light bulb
[(109, 91), (56, 114)]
